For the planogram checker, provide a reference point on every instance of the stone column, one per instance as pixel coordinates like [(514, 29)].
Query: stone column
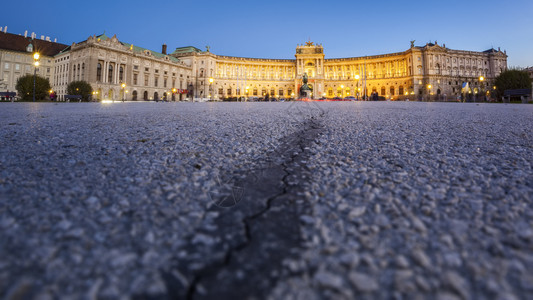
[(104, 73)]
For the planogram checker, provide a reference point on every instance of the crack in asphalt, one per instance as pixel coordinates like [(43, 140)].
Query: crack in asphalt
[(244, 257)]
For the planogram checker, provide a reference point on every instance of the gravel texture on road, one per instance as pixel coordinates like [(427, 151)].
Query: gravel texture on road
[(295, 200)]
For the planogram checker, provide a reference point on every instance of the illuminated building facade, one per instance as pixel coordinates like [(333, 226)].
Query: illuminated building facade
[(121, 71), (431, 71)]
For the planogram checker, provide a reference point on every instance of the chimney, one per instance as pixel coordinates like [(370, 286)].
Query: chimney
[(26, 33), (164, 50)]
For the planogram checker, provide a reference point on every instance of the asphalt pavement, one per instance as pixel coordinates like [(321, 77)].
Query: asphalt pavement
[(293, 200)]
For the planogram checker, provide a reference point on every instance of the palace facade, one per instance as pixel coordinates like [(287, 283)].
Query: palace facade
[(117, 70), (431, 71)]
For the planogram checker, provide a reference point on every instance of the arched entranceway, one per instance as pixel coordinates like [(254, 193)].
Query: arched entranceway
[(134, 96), (110, 94), (165, 96), (145, 95)]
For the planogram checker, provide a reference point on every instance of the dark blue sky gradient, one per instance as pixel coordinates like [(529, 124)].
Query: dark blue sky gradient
[(272, 29)]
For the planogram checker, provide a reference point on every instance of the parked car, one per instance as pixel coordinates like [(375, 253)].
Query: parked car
[(349, 98)]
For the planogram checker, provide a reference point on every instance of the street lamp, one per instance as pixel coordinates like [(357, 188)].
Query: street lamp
[(481, 79), (36, 63), (429, 91), (357, 90), (123, 94), (211, 88), (342, 90)]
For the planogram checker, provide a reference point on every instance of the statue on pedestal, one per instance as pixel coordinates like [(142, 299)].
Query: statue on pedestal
[(305, 90)]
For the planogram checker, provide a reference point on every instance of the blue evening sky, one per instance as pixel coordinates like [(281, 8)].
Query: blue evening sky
[(272, 29)]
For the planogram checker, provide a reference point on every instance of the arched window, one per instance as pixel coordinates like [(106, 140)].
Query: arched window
[(121, 74), (110, 74), (392, 91), (383, 91), (263, 92), (400, 90)]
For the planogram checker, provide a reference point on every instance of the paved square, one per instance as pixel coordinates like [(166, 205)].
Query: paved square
[(268, 200)]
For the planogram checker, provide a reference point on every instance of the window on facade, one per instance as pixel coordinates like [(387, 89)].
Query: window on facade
[(121, 73), (392, 91), (135, 79), (156, 82), (145, 79), (99, 72), (255, 92), (220, 91), (110, 75), (17, 67), (383, 91), (280, 92), (400, 90), (289, 92), (229, 91), (156, 71), (6, 66)]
